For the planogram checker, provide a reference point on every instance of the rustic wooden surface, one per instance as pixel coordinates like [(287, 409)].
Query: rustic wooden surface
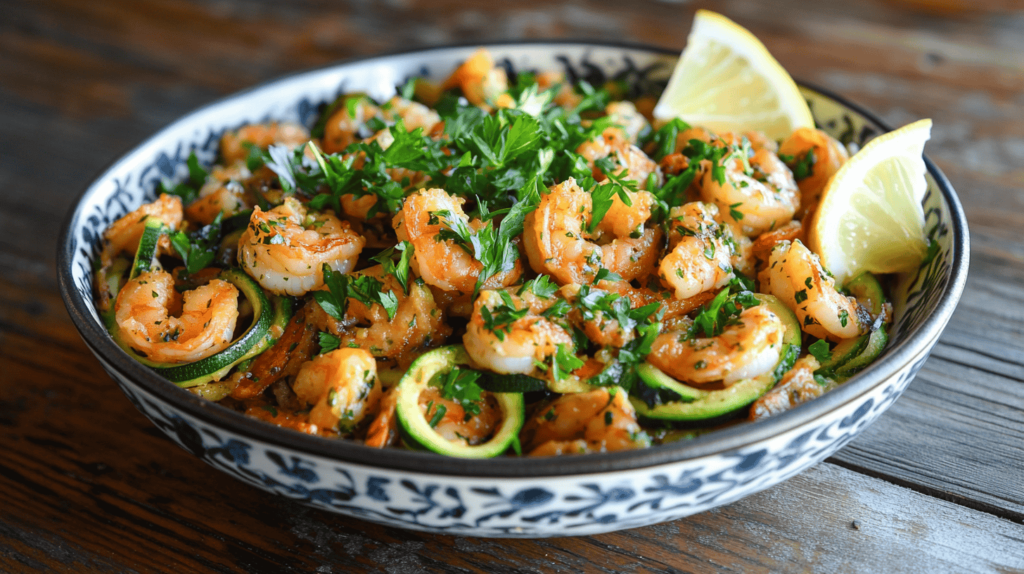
[(87, 484)]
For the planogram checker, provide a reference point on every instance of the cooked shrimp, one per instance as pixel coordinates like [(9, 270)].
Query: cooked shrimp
[(558, 244), (444, 263), (516, 345), (796, 387), (341, 386), (757, 198), (601, 420), (613, 144), (630, 121), (484, 84), (826, 157), (124, 234), (749, 348), (455, 424), (222, 193), (794, 275), (413, 114), (233, 146), (285, 249), (566, 97), (701, 258), (146, 318), (416, 326), (383, 431)]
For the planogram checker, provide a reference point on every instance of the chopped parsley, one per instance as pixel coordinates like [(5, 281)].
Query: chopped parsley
[(198, 249), (340, 287)]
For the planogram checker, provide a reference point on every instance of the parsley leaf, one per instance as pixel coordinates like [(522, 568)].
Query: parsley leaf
[(500, 319), (820, 350), (328, 342), (340, 287), (721, 312), (564, 362), (187, 190), (399, 270), (199, 248), (460, 385)]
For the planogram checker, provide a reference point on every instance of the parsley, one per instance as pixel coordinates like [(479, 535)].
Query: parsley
[(187, 190), (800, 296), (399, 270), (541, 286), (664, 139), (500, 319), (844, 317), (460, 385), (439, 413), (408, 90), (820, 350), (735, 213), (804, 166), (366, 290), (328, 342), (198, 249), (722, 311), (564, 362)]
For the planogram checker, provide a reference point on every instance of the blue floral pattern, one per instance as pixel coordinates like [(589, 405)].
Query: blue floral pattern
[(517, 507)]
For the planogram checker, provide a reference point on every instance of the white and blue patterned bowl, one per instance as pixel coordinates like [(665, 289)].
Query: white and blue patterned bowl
[(505, 497)]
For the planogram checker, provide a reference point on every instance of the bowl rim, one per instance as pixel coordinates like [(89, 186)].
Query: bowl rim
[(343, 451)]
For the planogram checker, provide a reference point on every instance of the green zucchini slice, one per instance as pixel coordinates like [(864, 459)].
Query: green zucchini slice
[(660, 397), (416, 430), (256, 339), (498, 383), (876, 341), (146, 253)]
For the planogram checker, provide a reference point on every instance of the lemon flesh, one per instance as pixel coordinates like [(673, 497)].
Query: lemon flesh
[(870, 217), (727, 81)]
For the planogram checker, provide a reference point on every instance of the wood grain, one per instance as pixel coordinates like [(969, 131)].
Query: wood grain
[(87, 484)]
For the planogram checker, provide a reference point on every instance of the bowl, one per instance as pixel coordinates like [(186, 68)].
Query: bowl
[(503, 497)]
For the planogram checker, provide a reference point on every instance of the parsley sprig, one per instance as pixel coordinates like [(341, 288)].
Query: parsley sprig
[(721, 312), (340, 287), (187, 190), (198, 249), (460, 385)]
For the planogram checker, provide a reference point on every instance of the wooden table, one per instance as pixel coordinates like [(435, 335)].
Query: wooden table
[(87, 484)]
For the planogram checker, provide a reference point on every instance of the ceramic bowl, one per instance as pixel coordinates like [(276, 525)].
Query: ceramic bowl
[(504, 497)]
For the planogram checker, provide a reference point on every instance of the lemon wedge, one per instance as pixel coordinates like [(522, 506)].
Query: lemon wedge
[(870, 217), (727, 81)]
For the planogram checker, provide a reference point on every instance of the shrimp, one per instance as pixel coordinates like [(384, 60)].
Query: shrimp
[(602, 420), (748, 348), (565, 96), (383, 431), (455, 424), (794, 275), (417, 323), (413, 114), (630, 121), (205, 325), (285, 249), (124, 234), (233, 146), (341, 386), (796, 387), (701, 258), (557, 242), (512, 336), (758, 193), (444, 263), (613, 143), (222, 193), (820, 152), (484, 84)]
